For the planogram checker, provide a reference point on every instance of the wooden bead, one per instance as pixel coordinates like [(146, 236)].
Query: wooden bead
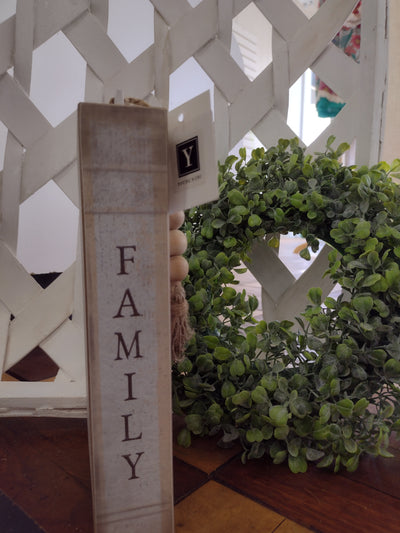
[(176, 220), (179, 268), (177, 242)]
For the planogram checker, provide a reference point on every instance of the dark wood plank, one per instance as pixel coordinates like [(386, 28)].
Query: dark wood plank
[(14, 520), (319, 500), (380, 473), (44, 469), (187, 479)]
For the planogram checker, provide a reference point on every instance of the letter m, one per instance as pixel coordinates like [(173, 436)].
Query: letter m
[(123, 348)]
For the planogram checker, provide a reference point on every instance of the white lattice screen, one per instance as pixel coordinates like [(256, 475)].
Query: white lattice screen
[(37, 152)]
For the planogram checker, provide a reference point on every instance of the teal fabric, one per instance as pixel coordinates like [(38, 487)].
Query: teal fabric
[(327, 108)]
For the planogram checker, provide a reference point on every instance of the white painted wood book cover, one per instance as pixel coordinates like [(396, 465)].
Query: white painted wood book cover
[(124, 177)]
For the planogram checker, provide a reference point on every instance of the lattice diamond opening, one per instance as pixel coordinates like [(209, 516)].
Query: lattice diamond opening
[(303, 117), (188, 81), (58, 63), (252, 39), (127, 18), (35, 366), (48, 243)]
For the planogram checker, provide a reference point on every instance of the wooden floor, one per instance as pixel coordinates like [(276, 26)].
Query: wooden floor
[(45, 486)]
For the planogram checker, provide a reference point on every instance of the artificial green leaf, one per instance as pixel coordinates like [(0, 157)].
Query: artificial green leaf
[(230, 242), (315, 295), (227, 389), (254, 220), (281, 432), (392, 368), (237, 368), (279, 415), (297, 464), (194, 423), (217, 223), (242, 398), (325, 413), (362, 229), (222, 354), (363, 304), (254, 435), (305, 254), (345, 407), (236, 197), (259, 394), (184, 438)]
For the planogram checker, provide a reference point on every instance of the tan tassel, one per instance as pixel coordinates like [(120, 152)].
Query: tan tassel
[(181, 332)]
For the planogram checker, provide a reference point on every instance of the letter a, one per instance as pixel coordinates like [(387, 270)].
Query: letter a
[(127, 296)]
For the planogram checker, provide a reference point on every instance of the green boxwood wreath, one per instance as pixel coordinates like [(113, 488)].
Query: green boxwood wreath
[(325, 390)]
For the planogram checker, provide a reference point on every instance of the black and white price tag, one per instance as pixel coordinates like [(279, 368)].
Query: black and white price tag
[(193, 173)]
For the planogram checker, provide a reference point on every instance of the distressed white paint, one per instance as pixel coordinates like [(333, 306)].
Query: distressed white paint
[(124, 174)]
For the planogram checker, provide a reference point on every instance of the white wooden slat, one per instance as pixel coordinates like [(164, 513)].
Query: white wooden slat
[(137, 79), (192, 31), (329, 63), (162, 56), (225, 16), (66, 347), (312, 38), (19, 114), (40, 317), (251, 105), (24, 26), (217, 62), (272, 128), (88, 36), (171, 10), (99, 8), (373, 53), (7, 38), (10, 193), (276, 278), (17, 287), (93, 86), (67, 180), (280, 54), (38, 167), (390, 145), (51, 17), (62, 377), (284, 16), (239, 5), (40, 398), (221, 121), (4, 323), (293, 302)]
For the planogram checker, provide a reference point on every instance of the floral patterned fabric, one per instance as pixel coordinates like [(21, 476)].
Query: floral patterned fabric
[(348, 39)]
